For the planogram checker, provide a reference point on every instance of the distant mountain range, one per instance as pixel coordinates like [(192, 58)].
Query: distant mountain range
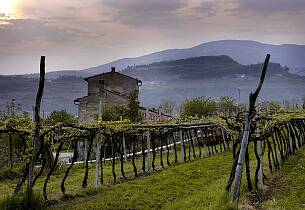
[(176, 80), (243, 51), (214, 76)]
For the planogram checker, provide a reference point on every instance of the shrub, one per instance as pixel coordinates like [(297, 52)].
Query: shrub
[(59, 117), (198, 107), (22, 201), (114, 113), (227, 104), (6, 173)]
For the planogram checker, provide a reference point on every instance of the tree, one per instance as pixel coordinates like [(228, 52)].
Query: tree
[(270, 106), (115, 113), (133, 107), (227, 103), (59, 117), (167, 107), (13, 145), (286, 105), (303, 102), (198, 107)]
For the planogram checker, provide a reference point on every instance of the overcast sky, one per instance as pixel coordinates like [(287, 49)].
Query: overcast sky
[(77, 34)]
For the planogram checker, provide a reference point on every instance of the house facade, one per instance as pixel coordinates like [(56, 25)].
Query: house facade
[(153, 115), (112, 89), (106, 89)]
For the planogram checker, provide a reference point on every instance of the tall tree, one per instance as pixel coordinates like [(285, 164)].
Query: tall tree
[(198, 107), (133, 107), (167, 107), (59, 116), (227, 103)]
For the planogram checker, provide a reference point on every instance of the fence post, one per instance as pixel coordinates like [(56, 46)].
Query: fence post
[(148, 150), (182, 145), (278, 154), (261, 166), (86, 149), (289, 136), (124, 148), (224, 139), (97, 182), (79, 151)]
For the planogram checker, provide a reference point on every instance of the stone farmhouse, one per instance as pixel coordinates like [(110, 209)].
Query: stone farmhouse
[(111, 89)]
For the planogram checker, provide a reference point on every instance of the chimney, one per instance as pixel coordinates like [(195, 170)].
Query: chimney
[(112, 69)]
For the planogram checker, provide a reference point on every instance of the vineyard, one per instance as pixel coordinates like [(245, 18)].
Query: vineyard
[(118, 151)]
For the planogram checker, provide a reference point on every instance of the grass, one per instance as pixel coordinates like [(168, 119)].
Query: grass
[(285, 188), (196, 184), (23, 201), (203, 178)]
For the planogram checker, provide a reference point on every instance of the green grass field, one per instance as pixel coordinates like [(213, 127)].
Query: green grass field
[(196, 184)]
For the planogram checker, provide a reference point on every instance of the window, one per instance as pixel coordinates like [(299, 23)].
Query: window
[(101, 81)]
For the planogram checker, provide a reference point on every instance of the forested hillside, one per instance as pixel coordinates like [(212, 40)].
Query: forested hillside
[(211, 76)]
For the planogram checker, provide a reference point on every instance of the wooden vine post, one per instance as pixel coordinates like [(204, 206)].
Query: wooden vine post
[(97, 181), (182, 146), (289, 136), (148, 151), (261, 163), (86, 149), (246, 134), (37, 119), (124, 148), (224, 139)]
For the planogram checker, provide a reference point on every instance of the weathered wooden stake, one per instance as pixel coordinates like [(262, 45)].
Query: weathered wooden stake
[(37, 120), (182, 146), (124, 148), (261, 166), (148, 151), (290, 136), (224, 139), (86, 149), (278, 152), (97, 163), (245, 139)]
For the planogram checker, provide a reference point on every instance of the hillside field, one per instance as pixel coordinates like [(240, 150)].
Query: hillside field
[(196, 184)]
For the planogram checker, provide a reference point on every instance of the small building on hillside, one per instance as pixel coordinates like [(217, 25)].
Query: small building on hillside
[(111, 89), (106, 89)]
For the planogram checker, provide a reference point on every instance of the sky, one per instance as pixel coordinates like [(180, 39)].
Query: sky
[(78, 34)]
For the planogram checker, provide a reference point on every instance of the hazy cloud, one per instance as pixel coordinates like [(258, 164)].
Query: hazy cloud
[(207, 8), (271, 7), (141, 13), (99, 31), (19, 30)]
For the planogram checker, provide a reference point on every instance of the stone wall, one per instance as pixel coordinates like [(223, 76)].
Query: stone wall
[(150, 115), (109, 89)]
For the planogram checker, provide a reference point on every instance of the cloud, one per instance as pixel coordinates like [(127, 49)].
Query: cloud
[(98, 31), (207, 8), (270, 7), (23, 30), (138, 13)]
